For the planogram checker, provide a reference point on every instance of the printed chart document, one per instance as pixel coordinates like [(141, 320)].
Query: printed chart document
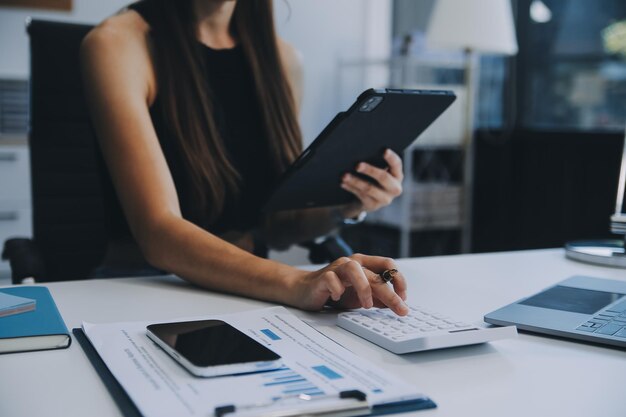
[(313, 366)]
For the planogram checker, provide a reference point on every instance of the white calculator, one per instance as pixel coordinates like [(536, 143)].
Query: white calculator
[(422, 329)]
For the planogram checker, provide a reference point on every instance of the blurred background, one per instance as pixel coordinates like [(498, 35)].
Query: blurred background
[(527, 157)]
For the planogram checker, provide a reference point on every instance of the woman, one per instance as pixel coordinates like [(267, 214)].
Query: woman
[(194, 105)]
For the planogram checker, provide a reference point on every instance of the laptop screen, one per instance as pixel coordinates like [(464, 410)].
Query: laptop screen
[(576, 300)]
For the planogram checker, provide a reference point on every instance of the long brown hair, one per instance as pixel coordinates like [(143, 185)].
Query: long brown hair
[(186, 103)]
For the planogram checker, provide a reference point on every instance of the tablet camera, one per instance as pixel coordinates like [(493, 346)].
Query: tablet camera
[(370, 104)]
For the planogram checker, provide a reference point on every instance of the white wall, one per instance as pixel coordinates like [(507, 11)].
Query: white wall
[(322, 30), (325, 31), (13, 38)]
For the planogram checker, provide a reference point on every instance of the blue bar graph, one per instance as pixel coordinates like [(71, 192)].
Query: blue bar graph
[(288, 382), (327, 372), (270, 334)]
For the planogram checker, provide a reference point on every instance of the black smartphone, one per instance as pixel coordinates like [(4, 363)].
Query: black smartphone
[(210, 348)]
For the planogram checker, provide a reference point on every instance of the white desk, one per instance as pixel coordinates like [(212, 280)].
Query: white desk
[(526, 376)]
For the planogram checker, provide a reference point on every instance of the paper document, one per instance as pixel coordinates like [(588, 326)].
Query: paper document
[(12, 304), (313, 365)]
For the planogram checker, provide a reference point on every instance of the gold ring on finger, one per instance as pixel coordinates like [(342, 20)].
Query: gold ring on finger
[(387, 275)]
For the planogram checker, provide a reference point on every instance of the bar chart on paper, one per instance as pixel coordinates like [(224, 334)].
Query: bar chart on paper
[(287, 382)]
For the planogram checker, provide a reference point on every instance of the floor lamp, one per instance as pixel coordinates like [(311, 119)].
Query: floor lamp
[(473, 26)]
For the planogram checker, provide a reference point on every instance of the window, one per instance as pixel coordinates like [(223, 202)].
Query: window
[(572, 64), (13, 107)]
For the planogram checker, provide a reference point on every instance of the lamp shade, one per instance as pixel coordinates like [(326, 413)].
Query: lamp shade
[(480, 25)]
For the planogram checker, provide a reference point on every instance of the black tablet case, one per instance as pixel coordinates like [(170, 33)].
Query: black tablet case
[(314, 179)]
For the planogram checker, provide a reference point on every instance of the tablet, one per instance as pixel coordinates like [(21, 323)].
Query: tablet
[(378, 119)]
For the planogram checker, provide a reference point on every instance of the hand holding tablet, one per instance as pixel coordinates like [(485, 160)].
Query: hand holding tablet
[(378, 120)]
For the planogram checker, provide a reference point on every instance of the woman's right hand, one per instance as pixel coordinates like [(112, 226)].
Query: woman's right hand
[(354, 282)]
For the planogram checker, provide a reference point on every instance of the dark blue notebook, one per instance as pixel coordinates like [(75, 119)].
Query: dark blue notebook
[(40, 329)]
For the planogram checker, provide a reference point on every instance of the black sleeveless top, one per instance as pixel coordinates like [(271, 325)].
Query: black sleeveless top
[(239, 122)]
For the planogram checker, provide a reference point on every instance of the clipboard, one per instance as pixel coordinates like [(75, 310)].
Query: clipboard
[(121, 398), (355, 401)]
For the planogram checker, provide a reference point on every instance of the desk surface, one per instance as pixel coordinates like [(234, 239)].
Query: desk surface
[(526, 376)]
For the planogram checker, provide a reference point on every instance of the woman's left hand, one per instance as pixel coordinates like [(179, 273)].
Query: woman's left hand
[(388, 183)]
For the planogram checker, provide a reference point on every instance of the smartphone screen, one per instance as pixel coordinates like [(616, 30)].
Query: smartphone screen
[(208, 343)]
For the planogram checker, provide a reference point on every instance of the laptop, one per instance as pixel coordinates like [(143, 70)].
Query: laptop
[(580, 307)]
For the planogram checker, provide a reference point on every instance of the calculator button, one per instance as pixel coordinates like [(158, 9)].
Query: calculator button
[(621, 333), (586, 329), (609, 329)]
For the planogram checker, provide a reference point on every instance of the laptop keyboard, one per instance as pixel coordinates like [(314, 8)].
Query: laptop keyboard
[(609, 322)]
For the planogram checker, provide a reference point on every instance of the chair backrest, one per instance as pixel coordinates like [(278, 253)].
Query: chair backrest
[(74, 204)]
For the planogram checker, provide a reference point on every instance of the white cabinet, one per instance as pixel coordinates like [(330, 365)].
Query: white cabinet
[(432, 200), (15, 196)]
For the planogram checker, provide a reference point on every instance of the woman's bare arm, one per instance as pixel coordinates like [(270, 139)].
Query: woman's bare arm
[(120, 85)]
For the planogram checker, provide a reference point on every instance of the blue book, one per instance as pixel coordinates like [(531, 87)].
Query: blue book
[(40, 329), (12, 304)]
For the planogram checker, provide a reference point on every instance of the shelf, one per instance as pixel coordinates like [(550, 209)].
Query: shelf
[(385, 240), (433, 206)]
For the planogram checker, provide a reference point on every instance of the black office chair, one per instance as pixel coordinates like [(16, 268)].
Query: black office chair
[(76, 212), (69, 184)]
